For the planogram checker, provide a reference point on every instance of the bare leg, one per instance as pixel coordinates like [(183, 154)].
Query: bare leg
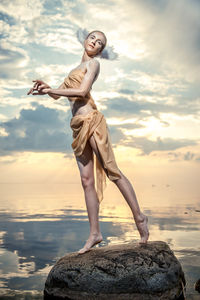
[(85, 163), (128, 192)]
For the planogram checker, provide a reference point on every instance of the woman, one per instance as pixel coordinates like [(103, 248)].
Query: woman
[(91, 135)]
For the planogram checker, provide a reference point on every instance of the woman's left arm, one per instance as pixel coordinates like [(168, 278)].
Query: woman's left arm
[(85, 86)]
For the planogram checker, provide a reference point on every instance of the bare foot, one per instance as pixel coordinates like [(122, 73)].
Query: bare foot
[(143, 229), (91, 242)]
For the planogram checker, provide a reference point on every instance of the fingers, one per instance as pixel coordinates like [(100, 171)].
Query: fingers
[(35, 86), (38, 81), (42, 86), (38, 93), (38, 86), (30, 91)]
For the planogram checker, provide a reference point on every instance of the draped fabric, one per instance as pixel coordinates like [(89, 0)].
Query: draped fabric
[(73, 80), (94, 123)]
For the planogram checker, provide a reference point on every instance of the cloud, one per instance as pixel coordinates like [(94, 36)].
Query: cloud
[(124, 134), (140, 106), (184, 156), (116, 135), (171, 34), (147, 146), (43, 129), (8, 19), (155, 80), (12, 62), (22, 10), (126, 91), (39, 129), (189, 155), (122, 107)]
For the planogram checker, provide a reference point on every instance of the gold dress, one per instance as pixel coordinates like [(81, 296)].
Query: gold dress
[(86, 125)]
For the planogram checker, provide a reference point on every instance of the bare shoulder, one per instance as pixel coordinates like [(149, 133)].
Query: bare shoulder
[(93, 65), (93, 68)]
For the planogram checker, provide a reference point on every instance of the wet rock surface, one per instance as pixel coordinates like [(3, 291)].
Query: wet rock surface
[(124, 271), (197, 286)]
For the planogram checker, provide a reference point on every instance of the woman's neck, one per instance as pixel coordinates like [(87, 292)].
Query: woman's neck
[(85, 57)]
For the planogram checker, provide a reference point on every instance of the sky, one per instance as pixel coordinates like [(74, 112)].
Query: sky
[(149, 95)]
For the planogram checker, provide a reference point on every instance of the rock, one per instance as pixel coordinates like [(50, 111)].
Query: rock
[(125, 271), (197, 286)]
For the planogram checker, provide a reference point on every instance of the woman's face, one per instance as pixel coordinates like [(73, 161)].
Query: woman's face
[(94, 43)]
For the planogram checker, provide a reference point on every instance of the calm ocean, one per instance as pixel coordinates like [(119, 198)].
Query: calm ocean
[(39, 223)]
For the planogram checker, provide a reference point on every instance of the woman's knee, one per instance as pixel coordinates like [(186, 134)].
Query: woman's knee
[(116, 181), (87, 181)]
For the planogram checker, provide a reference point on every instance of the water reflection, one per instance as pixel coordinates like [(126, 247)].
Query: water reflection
[(31, 242)]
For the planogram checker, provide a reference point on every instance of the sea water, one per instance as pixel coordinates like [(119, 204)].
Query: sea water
[(39, 223)]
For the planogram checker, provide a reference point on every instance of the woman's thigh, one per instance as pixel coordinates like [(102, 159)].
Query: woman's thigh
[(86, 163)]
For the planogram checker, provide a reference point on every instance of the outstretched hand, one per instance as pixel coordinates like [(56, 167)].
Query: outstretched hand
[(40, 86)]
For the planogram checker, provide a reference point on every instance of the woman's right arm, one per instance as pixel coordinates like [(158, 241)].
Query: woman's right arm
[(39, 85), (56, 97)]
